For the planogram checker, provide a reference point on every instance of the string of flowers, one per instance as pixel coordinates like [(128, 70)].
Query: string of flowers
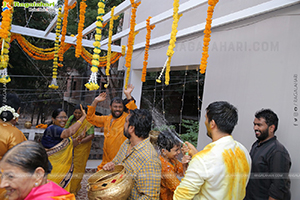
[(123, 50), (131, 37), (7, 10), (64, 30), (172, 41), (5, 34), (53, 84), (80, 28), (110, 32), (92, 84), (115, 56), (207, 32), (147, 45)]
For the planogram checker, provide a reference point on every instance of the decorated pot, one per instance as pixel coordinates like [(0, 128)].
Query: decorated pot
[(110, 185)]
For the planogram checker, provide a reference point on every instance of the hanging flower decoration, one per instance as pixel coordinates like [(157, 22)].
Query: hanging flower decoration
[(92, 84), (5, 34), (64, 31), (53, 84), (80, 28), (172, 41), (207, 32), (110, 32), (131, 37), (147, 45), (7, 10), (123, 50)]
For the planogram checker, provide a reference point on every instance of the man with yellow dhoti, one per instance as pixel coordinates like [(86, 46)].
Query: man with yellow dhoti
[(113, 124), (81, 148), (59, 146)]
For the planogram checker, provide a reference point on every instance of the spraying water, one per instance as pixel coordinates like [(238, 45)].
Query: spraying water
[(160, 122)]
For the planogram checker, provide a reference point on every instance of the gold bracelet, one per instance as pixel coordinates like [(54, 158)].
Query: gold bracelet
[(79, 121)]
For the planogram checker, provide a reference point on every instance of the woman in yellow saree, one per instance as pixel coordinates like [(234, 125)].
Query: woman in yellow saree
[(59, 146), (81, 148)]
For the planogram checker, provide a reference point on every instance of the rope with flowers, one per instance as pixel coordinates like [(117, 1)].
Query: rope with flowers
[(64, 30), (48, 53), (207, 32), (53, 84), (80, 28), (147, 45), (92, 84), (110, 32), (131, 37), (172, 41), (115, 56), (5, 34), (7, 10)]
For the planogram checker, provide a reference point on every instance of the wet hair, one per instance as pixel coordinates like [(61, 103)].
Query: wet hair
[(167, 140), (13, 101), (141, 119), (224, 114), (28, 156), (56, 112), (269, 116)]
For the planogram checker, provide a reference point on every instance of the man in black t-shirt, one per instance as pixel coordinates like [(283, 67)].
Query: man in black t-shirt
[(271, 162)]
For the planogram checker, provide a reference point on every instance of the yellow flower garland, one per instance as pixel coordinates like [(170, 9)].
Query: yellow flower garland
[(5, 34), (147, 45), (172, 41), (80, 28), (206, 38), (92, 84), (110, 32), (64, 30), (53, 84), (131, 37)]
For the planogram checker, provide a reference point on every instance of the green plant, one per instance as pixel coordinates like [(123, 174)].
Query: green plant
[(192, 129)]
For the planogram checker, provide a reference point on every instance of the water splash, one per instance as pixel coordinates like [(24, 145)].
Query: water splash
[(160, 123)]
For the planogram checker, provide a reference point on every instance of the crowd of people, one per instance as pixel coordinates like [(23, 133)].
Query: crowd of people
[(224, 169)]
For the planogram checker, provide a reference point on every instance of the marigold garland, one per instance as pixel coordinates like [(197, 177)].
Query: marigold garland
[(147, 45), (131, 37), (80, 28), (7, 10), (5, 34), (123, 50), (64, 30), (110, 32), (92, 84), (206, 38), (53, 84), (172, 41)]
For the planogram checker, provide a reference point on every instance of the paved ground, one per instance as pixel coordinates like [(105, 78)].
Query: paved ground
[(82, 194)]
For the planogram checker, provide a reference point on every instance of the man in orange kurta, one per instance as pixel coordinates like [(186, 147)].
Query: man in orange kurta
[(113, 124)]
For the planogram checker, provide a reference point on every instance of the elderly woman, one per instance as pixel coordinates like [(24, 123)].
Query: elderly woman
[(81, 149), (24, 170), (59, 146)]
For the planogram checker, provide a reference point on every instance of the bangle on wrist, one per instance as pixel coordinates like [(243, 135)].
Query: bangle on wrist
[(79, 121)]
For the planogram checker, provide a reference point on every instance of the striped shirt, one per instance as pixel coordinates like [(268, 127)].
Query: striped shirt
[(143, 164)]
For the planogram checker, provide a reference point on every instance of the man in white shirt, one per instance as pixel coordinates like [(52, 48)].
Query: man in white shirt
[(221, 170)]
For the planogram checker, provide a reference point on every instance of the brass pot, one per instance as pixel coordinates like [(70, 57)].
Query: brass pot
[(110, 185), (27, 124)]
